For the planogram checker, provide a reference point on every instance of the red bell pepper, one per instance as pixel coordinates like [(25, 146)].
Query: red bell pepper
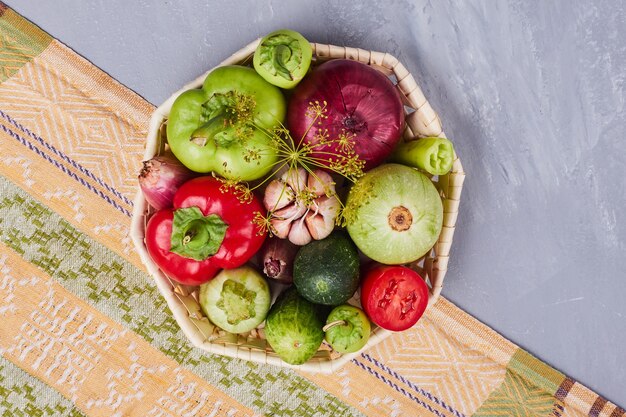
[(208, 229)]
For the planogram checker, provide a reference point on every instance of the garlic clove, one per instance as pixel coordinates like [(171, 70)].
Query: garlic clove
[(282, 219), (296, 179), (281, 227), (320, 182), (299, 234), (329, 206), (326, 206), (321, 222), (318, 226), (290, 213), (277, 195)]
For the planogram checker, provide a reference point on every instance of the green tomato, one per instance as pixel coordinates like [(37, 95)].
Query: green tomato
[(347, 329), (236, 300), (283, 58), (220, 127)]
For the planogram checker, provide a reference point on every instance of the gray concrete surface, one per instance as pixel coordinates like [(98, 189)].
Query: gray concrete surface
[(532, 93)]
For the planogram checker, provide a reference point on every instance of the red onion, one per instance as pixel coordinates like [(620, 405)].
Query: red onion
[(160, 178), (278, 255), (360, 102)]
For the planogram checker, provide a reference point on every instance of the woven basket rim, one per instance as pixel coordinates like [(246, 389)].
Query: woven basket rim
[(421, 122)]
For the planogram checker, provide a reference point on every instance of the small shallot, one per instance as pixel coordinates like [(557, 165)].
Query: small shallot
[(303, 205), (160, 178), (278, 256)]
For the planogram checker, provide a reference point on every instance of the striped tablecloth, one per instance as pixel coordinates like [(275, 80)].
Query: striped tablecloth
[(85, 332)]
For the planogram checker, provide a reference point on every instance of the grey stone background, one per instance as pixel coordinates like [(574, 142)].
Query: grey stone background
[(532, 94)]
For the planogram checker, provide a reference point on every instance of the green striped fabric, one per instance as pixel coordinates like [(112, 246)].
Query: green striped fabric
[(128, 296), (22, 395)]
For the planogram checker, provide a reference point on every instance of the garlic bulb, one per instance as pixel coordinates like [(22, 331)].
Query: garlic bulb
[(303, 206)]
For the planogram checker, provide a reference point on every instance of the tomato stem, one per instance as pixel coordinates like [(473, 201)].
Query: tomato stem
[(333, 324)]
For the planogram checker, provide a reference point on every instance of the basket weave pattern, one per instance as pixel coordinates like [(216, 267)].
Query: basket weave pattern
[(421, 121)]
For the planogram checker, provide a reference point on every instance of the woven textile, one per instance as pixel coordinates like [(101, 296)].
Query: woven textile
[(84, 331)]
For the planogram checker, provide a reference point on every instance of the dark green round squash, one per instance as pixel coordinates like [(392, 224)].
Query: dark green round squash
[(327, 271)]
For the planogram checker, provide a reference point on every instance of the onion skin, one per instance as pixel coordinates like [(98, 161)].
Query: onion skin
[(361, 102), (278, 255), (160, 178)]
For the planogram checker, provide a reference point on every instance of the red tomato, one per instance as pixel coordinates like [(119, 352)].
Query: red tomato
[(394, 297)]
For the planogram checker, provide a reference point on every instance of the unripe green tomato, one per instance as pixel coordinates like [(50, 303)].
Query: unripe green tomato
[(283, 58)]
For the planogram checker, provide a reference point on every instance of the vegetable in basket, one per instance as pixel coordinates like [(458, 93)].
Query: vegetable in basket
[(283, 58), (433, 155), (219, 127), (394, 297), (303, 204), (327, 271), (394, 214), (277, 256), (160, 178), (209, 228), (347, 329), (294, 327), (361, 106), (237, 300)]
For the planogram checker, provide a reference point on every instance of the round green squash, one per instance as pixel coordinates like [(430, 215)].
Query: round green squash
[(327, 271)]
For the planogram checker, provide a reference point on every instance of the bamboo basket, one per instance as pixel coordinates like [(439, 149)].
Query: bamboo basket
[(421, 121)]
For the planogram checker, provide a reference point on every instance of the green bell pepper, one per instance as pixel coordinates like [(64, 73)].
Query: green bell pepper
[(219, 127), (283, 58), (433, 155)]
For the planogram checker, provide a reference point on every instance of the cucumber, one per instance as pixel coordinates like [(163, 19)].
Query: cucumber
[(327, 271), (294, 328)]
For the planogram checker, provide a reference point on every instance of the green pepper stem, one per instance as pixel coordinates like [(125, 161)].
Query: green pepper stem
[(199, 140), (202, 134)]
